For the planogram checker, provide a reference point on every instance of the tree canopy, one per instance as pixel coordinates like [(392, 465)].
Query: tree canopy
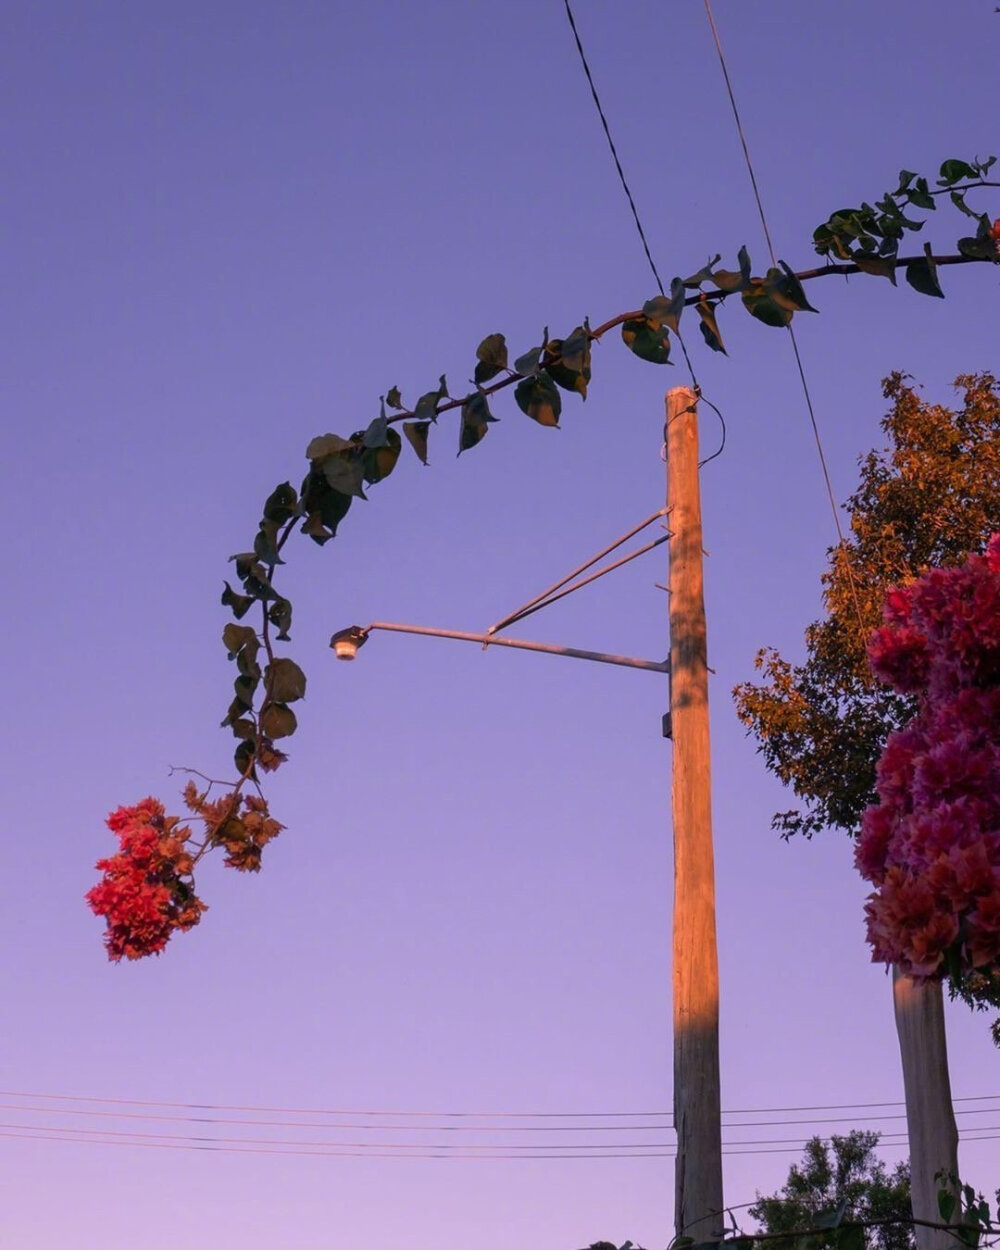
[(928, 499), (844, 1171)]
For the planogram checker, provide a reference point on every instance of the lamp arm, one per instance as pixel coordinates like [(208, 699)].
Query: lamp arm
[(548, 648)]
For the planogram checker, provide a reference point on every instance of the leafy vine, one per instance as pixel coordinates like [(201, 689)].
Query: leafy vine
[(148, 887)]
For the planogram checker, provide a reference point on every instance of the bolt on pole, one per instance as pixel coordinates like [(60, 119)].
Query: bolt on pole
[(698, 1203)]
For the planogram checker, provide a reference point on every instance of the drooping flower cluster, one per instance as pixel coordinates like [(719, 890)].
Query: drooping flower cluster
[(147, 892), (931, 846)]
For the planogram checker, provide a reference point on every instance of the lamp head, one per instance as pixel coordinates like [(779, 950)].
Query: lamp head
[(346, 642)]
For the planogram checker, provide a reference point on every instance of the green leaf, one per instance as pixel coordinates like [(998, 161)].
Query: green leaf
[(662, 310), (277, 721), (529, 362), (239, 605), (958, 199), (491, 355), (946, 1204), (538, 397), (955, 171), (648, 340), (282, 504), (427, 405), (920, 196), (327, 445), (878, 265), (376, 433), (243, 728), (243, 756), (236, 709), (265, 545), (476, 417), (703, 274), (236, 637), (246, 563), (333, 507), (280, 614), (709, 327), (906, 176), (571, 367), (257, 584), (378, 462), (345, 472), (314, 528), (922, 275), (979, 249), (731, 281), (787, 290), (245, 688), (284, 680), (758, 303), (984, 246), (416, 433), (575, 350), (246, 662), (394, 399)]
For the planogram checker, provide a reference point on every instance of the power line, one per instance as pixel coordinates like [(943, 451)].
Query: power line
[(791, 333), (382, 1126), (625, 186), (797, 1142), (378, 1151), (458, 1115)]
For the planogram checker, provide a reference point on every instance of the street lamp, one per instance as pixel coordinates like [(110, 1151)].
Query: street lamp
[(347, 642)]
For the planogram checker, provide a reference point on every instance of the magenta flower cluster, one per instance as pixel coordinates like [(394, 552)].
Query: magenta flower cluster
[(931, 845)]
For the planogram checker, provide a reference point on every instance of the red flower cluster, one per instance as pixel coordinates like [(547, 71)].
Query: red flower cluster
[(931, 845), (148, 887), (147, 891)]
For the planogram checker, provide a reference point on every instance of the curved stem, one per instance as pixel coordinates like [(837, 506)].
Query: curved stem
[(712, 297)]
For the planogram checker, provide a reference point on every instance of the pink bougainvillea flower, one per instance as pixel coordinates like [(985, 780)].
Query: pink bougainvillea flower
[(931, 846)]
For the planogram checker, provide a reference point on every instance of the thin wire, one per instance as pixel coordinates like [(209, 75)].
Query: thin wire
[(199, 1106), (497, 1115), (722, 446), (329, 1154), (739, 127), (537, 606), (381, 1127), (224, 1149), (449, 1129), (791, 332), (581, 568), (798, 1142), (624, 180)]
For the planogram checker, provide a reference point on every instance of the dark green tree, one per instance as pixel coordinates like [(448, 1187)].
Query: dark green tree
[(844, 1170)]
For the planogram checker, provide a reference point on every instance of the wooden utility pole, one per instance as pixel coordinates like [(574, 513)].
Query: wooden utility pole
[(698, 1206), (930, 1115)]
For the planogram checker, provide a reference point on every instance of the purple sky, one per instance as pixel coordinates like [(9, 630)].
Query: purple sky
[(229, 227)]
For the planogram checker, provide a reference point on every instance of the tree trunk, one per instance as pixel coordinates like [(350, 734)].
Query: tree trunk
[(698, 1210), (930, 1116)]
